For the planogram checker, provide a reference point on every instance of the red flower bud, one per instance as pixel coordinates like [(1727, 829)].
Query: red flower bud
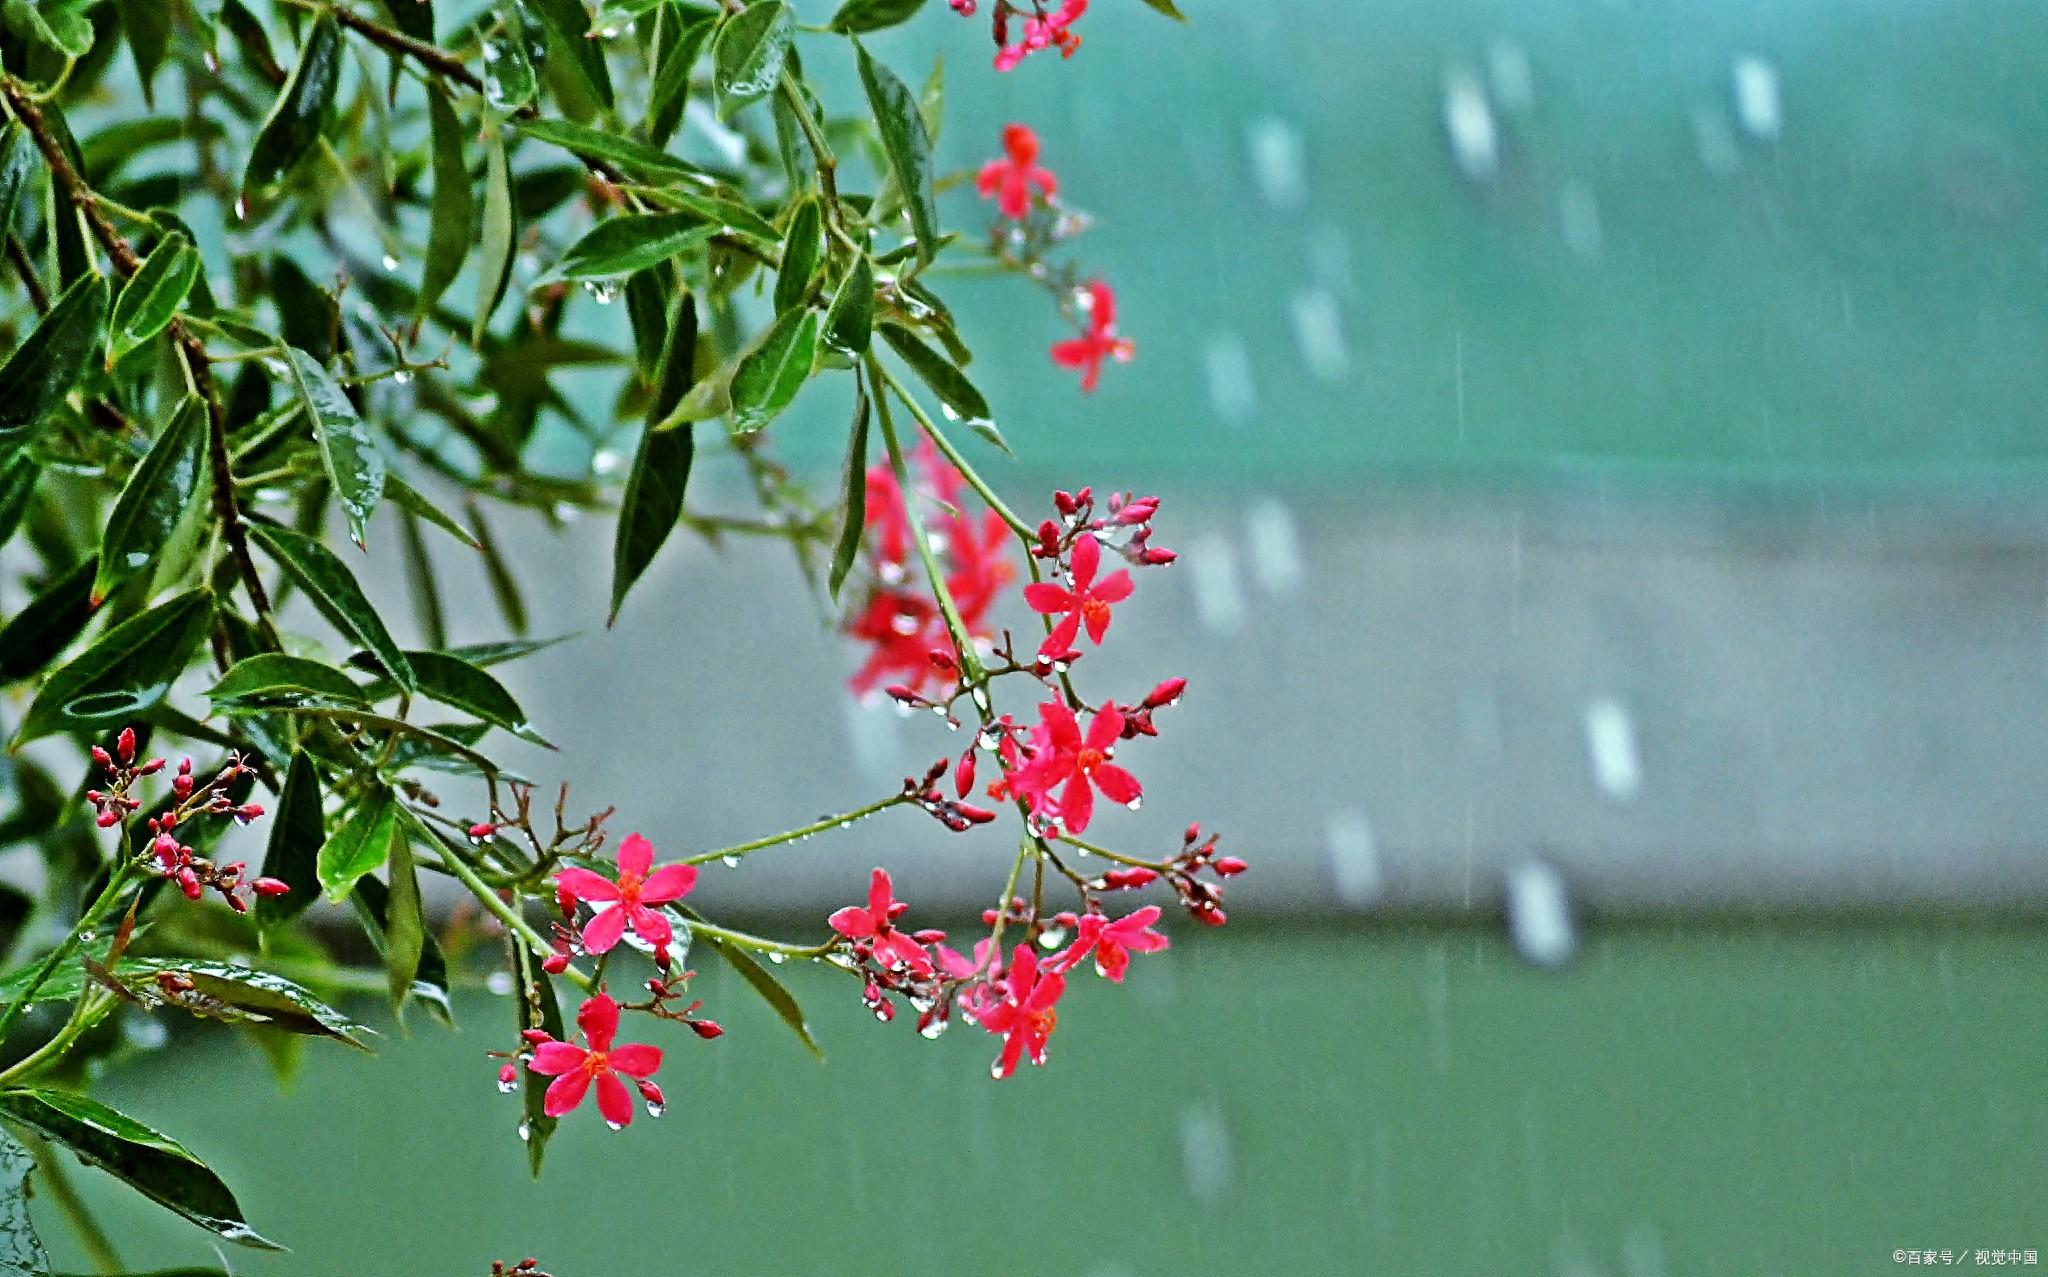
[(482, 829), (248, 812), (1229, 866), (1166, 693), (1210, 917), (1125, 879), (508, 1076), (706, 1029), (125, 743), (107, 819), (534, 1037), (1064, 502), (271, 887), (555, 963), (1152, 557), (188, 882), (150, 768), (103, 758)]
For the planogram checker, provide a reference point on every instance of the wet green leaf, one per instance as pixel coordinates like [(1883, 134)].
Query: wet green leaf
[(538, 1009), (297, 829), (18, 163), (494, 251), (155, 499), (404, 495), (273, 678), (152, 295), (908, 148), (692, 30), (510, 80), (451, 229), (748, 56), (850, 321), (48, 362), (857, 17), (361, 845), (592, 144), (34, 636), (653, 499), (21, 1251), (568, 23), (458, 684), (802, 249), (772, 990), (239, 995), (61, 26), (296, 117), (372, 901), (405, 922), (957, 395), (128, 670), (853, 483), (153, 1164), (767, 378), (622, 245), (17, 485), (355, 464), (333, 590)]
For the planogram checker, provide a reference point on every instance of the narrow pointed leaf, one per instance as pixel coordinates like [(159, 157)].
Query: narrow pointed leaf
[(301, 108), (361, 845), (850, 321), (355, 464), (129, 669), (857, 17), (34, 636), (405, 922), (458, 684), (854, 483), (568, 21), (802, 249), (1167, 7), (293, 855), (907, 146), (538, 1009), (415, 502), (623, 245), (592, 144), (274, 678), (159, 491), (333, 589), (47, 363), (238, 994), (655, 486), (372, 901), (767, 378), (494, 249), (772, 991), (751, 49), (957, 395), (451, 229), (672, 78), (151, 1163), (153, 294)]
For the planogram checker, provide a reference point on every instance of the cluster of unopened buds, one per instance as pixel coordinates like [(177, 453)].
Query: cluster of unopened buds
[(954, 813), (170, 856), (1021, 30), (528, 1267)]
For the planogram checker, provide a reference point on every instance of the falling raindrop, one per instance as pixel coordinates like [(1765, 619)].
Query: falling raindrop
[(1279, 162), (1354, 857), (1540, 914), (1611, 746), (1205, 1152), (1469, 123), (1275, 547), (1227, 364), (500, 983), (1757, 102), (1319, 333)]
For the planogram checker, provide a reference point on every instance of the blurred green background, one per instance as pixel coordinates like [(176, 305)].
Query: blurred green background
[(1730, 244)]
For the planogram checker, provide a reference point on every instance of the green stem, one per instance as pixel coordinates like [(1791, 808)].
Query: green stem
[(506, 913), (1107, 854), (94, 912), (952, 454), (56, 1181), (963, 643), (83, 1017), (821, 150), (995, 936), (816, 827), (758, 944)]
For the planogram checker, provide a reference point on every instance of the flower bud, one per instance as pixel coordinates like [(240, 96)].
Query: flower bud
[(248, 812), (1166, 693), (706, 1029), (188, 882), (649, 1092), (103, 758), (555, 963), (1229, 866), (508, 1075), (1064, 502), (107, 819), (125, 744), (150, 768), (975, 815), (271, 887), (534, 1037), (482, 829)]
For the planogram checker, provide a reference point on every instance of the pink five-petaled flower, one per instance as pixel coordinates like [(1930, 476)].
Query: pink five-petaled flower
[(1075, 765), (1025, 1015), (873, 924), (1100, 342), (1087, 603), (625, 902), (1012, 180), (1112, 943), (574, 1067)]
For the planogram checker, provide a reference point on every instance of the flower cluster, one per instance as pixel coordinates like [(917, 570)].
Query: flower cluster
[(170, 856), (625, 903)]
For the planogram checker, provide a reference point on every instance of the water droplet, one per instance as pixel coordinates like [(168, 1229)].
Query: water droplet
[(1540, 914), (1136, 803), (1052, 937), (501, 983), (241, 208), (729, 861), (1757, 103), (656, 1110), (403, 376), (617, 1126), (390, 262), (995, 1070), (777, 957), (602, 291), (525, 1129), (506, 1088), (931, 1029)]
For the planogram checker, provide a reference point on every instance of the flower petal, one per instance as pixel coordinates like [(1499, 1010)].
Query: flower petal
[(880, 896), (853, 922), (1044, 596), (1078, 352), (1097, 620), (550, 1059), (1060, 724), (614, 1100), (1105, 728), (670, 882), (1117, 785), (1087, 559), (635, 1059), (1013, 1049), (636, 856), (1114, 588), (603, 931), (585, 885), (651, 926), (565, 1093), (599, 1020), (1077, 804)]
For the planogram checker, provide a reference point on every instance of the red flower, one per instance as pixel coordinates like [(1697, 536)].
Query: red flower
[(1039, 33), (892, 948), (1025, 1014), (625, 902), (574, 1068), (1076, 765), (1100, 342), (1088, 602), (1112, 943), (1011, 181)]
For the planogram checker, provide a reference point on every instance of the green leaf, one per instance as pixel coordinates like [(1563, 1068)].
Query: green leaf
[(355, 464), (61, 26), (301, 108), (452, 227), (272, 678), (17, 485), (538, 1009), (772, 991), (504, 586), (1167, 7), (622, 245), (671, 85), (653, 499), (458, 684), (361, 846), (752, 47), (48, 362), (854, 482), (297, 829), (405, 923), (592, 144), (237, 994), (153, 1164), (931, 100), (857, 17), (489, 654), (409, 498), (802, 249), (333, 589), (153, 294), (34, 636), (850, 321), (154, 500), (509, 78), (568, 22), (494, 251), (21, 1251), (729, 216), (767, 378), (958, 396), (907, 146), (128, 670), (372, 901)]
